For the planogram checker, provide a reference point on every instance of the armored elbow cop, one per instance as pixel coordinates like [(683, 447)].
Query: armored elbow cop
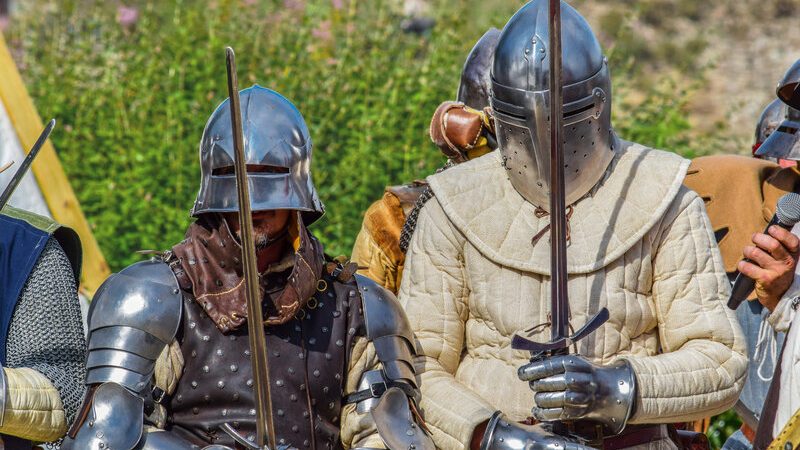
[(390, 394)]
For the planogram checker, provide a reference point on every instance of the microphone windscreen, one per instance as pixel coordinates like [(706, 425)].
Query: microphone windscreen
[(788, 209)]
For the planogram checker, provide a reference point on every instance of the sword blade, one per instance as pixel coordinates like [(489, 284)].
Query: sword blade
[(559, 303), (26, 164), (265, 430)]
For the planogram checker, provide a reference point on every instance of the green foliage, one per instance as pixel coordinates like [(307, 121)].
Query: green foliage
[(721, 427), (132, 99)]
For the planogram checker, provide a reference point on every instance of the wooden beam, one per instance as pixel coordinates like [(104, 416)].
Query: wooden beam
[(47, 168)]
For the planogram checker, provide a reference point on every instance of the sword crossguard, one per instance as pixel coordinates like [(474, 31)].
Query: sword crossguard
[(521, 343)]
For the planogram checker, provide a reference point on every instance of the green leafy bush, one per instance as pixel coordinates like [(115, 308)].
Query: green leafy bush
[(133, 98)]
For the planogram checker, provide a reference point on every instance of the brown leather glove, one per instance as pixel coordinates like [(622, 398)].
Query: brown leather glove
[(457, 128)]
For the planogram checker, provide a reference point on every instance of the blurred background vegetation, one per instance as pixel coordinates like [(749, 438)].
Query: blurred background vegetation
[(133, 82)]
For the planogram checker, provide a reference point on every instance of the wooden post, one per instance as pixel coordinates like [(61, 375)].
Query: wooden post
[(47, 169)]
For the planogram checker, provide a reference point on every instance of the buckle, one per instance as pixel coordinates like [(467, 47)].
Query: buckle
[(377, 389), (158, 394)]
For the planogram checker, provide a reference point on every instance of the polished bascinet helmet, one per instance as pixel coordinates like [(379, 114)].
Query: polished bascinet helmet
[(521, 103), (476, 80), (770, 119), (784, 142), (277, 148), (789, 87)]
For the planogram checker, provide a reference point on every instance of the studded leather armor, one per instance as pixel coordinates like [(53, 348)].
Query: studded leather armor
[(190, 298), (307, 360)]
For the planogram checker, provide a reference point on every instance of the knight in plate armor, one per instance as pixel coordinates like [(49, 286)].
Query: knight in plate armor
[(40, 369), (168, 338), (463, 130), (638, 244), (737, 211)]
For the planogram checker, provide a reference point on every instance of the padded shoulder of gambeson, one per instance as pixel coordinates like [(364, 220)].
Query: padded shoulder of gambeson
[(482, 204)]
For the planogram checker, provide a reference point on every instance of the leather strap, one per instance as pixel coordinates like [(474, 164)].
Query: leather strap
[(377, 389), (633, 436), (748, 432)]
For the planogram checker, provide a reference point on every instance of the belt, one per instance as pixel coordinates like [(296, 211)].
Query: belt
[(635, 435), (376, 390), (14, 443)]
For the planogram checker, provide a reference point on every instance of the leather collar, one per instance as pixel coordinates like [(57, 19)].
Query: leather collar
[(209, 265)]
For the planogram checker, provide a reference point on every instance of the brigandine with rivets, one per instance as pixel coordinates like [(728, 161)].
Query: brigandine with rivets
[(307, 360)]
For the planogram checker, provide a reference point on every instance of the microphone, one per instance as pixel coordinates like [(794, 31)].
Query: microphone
[(787, 214)]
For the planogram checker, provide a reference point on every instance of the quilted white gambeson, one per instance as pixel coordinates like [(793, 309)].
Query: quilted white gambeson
[(642, 246)]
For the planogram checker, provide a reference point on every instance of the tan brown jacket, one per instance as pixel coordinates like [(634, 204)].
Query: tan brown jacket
[(377, 248), (740, 194), (461, 133)]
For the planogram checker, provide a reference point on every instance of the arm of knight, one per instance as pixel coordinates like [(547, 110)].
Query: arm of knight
[(40, 385), (134, 316), (381, 406)]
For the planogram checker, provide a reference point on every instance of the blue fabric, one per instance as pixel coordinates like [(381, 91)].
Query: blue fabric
[(21, 244), (752, 316), (737, 441)]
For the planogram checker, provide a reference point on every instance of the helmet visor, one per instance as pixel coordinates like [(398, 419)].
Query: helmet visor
[(784, 143)]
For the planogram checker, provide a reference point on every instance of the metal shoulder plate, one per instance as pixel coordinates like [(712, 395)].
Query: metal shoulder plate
[(133, 316), (389, 330), (113, 422)]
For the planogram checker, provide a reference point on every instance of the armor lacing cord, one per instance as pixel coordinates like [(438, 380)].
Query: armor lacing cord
[(766, 343), (540, 213)]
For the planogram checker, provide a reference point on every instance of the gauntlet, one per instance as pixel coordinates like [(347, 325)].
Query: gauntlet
[(504, 434), (572, 388)]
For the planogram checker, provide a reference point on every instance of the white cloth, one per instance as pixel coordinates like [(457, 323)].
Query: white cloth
[(642, 246), (28, 196), (782, 320)]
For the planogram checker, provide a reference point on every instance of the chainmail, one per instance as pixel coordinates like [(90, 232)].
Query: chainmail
[(46, 331), (411, 221)]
